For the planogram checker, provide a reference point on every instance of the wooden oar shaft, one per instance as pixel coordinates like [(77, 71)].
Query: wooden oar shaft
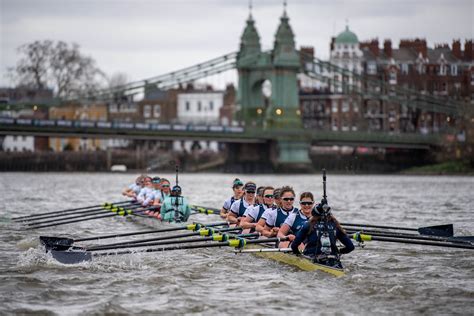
[(68, 210)]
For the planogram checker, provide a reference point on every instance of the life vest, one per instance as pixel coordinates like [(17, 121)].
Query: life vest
[(326, 239)]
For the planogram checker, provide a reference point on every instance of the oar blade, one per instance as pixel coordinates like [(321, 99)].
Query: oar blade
[(438, 230), (71, 257), (49, 241)]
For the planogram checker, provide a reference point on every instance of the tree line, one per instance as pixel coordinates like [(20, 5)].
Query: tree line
[(60, 66)]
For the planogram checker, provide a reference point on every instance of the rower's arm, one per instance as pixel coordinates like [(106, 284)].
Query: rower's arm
[(283, 231), (232, 218), (247, 222), (346, 241), (300, 236), (223, 213)]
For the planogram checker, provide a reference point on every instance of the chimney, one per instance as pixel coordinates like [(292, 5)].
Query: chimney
[(418, 45), (306, 53), (468, 50), (372, 45), (333, 40), (457, 49), (387, 48)]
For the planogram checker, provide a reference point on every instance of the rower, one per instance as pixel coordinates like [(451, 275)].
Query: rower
[(175, 208), (239, 207), (238, 192), (272, 219), (277, 197), (295, 221), (147, 188), (260, 195), (253, 214), (321, 232), (163, 193), (134, 189), (151, 196)]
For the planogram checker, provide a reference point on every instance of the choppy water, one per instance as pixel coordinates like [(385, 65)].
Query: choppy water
[(382, 278)]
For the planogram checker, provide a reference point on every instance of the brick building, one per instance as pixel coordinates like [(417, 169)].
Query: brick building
[(443, 71)]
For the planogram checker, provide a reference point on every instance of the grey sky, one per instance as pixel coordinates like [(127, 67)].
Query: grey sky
[(145, 38)]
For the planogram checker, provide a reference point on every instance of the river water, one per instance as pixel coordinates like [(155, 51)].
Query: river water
[(382, 278)]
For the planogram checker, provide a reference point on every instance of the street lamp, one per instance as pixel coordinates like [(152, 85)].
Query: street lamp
[(279, 111)]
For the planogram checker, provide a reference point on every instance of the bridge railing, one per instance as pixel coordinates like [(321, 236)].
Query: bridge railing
[(120, 125)]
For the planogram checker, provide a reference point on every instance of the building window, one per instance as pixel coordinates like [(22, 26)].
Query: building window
[(157, 111), (199, 106), (188, 106), (392, 77), (442, 70), (404, 69), (454, 70), (147, 111), (371, 68), (211, 106), (113, 108), (334, 107), (345, 106)]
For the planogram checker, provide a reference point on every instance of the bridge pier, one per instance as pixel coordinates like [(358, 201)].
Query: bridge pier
[(279, 155)]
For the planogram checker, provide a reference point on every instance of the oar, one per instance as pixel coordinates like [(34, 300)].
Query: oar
[(364, 237), (50, 241), (205, 210), (71, 210), (438, 230), (93, 210), (119, 213), (208, 233), (73, 257), (454, 239), (96, 212)]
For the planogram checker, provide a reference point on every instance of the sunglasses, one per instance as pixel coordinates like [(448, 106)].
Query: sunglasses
[(288, 199), (165, 186), (307, 203), (269, 196), (250, 192)]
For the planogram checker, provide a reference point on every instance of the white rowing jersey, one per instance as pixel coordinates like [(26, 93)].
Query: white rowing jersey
[(135, 188), (228, 203), (276, 217), (239, 208), (152, 196), (296, 220), (143, 194), (254, 211)]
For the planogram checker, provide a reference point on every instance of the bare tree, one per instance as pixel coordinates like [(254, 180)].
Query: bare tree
[(59, 66), (118, 79)]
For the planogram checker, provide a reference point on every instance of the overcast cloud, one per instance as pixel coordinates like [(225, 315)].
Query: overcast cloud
[(145, 38)]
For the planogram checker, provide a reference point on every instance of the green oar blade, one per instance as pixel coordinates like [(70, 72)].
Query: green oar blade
[(71, 257), (438, 230)]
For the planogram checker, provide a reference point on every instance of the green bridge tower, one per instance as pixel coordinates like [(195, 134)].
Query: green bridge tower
[(275, 109)]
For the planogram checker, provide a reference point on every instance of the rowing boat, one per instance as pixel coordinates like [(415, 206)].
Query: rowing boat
[(301, 262)]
